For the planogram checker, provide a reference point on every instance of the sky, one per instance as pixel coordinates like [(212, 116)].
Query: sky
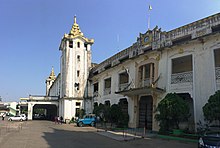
[(31, 32)]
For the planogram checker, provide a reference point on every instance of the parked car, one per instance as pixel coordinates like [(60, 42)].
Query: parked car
[(211, 138), (87, 120), (39, 117), (21, 117)]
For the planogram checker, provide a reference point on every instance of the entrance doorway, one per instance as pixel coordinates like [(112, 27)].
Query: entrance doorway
[(146, 112), (44, 111), (123, 103)]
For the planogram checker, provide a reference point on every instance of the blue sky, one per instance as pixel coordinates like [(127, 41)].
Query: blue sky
[(31, 31)]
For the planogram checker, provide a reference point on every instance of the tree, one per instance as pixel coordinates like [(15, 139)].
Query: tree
[(171, 111), (211, 110), (80, 113)]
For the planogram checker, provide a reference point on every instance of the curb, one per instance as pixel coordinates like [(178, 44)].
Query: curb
[(177, 138)]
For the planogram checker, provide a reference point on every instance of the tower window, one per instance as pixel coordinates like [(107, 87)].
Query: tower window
[(78, 44), (78, 58), (70, 44), (85, 45), (78, 103), (78, 73)]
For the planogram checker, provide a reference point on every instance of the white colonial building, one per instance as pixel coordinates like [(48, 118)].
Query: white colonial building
[(185, 60)]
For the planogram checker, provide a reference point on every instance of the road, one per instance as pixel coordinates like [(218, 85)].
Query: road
[(46, 134)]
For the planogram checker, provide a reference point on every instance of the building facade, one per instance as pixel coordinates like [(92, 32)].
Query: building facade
[(185, 60)]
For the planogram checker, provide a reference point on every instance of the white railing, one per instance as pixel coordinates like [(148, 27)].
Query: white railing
[(124, 86), (107, 91), (183, 77), (217, 73)]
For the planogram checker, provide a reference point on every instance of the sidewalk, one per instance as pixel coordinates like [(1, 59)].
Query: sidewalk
[(132, 134), (126, 135)]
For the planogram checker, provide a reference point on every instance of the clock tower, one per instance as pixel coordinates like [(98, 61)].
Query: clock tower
[(75, 65)]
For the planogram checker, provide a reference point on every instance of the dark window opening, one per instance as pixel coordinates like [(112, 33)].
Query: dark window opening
[(217, 57), (96, 87), (78, 72), (182, 64), (78, 44), (78, 58), (78, 103), (216, 29), (85, 45), (123, 78), (108, 83), (70, 44)]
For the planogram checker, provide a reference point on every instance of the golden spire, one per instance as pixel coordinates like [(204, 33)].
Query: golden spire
[(75, 29), (52, 74)]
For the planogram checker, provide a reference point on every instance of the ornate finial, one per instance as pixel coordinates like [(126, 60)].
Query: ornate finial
[(75, 29), (74, 19)]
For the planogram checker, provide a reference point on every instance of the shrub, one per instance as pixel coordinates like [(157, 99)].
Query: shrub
[(211, 110), (171, 111)]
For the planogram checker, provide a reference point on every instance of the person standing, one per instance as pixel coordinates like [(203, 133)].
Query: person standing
[(3, 116), (61, 119)]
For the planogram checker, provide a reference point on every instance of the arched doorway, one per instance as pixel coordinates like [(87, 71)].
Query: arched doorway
[(123, 103), (44, 111), (146, 112)]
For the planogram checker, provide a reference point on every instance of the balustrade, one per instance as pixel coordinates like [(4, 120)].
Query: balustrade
[(183, 77), (107, 91)]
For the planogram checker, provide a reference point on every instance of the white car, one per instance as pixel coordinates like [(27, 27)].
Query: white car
[(21, 117)]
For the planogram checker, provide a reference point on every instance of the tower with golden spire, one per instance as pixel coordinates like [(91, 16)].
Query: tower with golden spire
[(75, 65), (50, 80)]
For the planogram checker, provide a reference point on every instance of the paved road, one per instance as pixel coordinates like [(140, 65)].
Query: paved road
[(46, 134)]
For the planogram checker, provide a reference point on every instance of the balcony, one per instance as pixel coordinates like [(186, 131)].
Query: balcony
[(184, 77), (124, 86), (107, 91), (95, 94), (146, 82)]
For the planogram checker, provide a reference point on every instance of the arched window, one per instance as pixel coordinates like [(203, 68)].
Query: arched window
[(78, 44), (78, 58)]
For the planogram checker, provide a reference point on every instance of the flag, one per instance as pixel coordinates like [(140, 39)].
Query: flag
[(150, 7)]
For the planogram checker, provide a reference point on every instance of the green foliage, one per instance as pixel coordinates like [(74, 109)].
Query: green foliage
[(115, 113), (211, 110), (103, 111), (171, 111), (80, 113), (111, 114)]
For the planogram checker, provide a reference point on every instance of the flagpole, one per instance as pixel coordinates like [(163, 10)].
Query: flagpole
[(148, 22)]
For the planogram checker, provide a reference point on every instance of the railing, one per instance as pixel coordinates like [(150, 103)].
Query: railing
[(95, 94), (183, 77), (107, 91), (146, 82), (124, 86), (217, 73)]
